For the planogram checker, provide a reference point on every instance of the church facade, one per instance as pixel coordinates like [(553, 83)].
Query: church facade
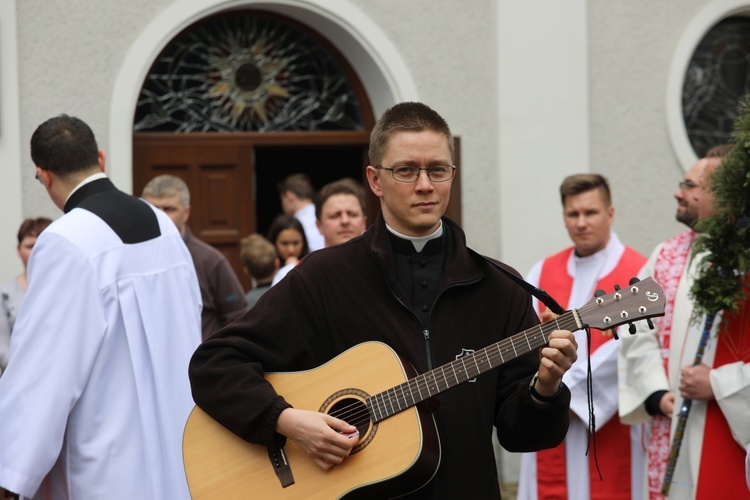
[(534, 90)]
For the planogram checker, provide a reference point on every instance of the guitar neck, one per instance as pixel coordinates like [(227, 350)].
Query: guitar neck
[(465, 368)]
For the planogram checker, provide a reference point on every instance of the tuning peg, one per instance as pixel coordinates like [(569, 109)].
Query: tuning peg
[(617, 287), (650, 323), (634, 280), (631, 328), (614, 333), (599, 293)]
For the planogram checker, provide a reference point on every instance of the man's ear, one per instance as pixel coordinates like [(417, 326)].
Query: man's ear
[(44, 177), (373, 178), (102, 158)]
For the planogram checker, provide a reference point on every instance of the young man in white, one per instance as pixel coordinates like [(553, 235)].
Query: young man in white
[(296, 194), (596, 260), (95, 396)]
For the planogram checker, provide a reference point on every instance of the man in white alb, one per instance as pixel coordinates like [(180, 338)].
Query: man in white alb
[(96, 393), (597, 260)]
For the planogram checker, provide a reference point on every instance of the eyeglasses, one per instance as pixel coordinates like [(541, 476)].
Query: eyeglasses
[(408, 173), (688, 185), (38, 177)]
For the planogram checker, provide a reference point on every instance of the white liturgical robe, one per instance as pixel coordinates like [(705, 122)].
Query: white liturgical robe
[(96, 393)]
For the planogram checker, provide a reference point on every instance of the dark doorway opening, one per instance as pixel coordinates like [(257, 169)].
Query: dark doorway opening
[(323, 164)]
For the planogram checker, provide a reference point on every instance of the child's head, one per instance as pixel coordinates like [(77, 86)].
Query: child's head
[(259, 257), (288, 236)]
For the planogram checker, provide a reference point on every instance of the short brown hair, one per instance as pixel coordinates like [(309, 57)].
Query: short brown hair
[(409, 117), (346, 185), (258, 255), (582, 183), (299, 184), (32, 227)]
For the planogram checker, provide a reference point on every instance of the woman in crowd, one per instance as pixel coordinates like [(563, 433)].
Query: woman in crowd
[(288, 236), (13, 290)]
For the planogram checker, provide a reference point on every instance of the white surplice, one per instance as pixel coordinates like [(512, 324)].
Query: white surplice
[(96, 394)]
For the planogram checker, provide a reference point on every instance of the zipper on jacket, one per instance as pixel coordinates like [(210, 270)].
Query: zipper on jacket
[(425, 331), (426, 335)]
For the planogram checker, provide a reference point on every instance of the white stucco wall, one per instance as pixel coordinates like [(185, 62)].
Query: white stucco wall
[(543, 121), (69, 55), (10, 145), (631, 47)]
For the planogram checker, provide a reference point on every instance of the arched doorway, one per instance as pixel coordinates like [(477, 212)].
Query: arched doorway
[(235, 103)]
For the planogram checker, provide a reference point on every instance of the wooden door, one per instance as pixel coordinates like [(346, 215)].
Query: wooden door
[(218, 171)]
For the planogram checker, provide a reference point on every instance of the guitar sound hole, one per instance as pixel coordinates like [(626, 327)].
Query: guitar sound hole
[(349, 405)]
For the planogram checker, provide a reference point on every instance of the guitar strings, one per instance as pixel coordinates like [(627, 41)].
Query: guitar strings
[(359, 413)]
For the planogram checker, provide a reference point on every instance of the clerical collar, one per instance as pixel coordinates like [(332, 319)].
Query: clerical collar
[(612, 243), (90, 178), (418, 241)]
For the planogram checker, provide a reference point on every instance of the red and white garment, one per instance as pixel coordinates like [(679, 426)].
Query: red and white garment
[(566, 471), (672, 345)]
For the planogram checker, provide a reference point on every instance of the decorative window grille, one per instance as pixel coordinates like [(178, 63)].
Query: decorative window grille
[(247, 71), (716, 80)]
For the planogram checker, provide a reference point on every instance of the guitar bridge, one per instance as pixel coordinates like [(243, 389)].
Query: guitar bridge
[(281, 466)]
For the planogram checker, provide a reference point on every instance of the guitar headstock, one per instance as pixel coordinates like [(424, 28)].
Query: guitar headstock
[(641, 300)]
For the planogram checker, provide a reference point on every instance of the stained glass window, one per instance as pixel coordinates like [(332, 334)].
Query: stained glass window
[(246, 71), (717, 78)]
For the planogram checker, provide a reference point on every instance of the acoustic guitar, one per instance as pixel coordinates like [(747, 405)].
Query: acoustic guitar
[(371, 387)]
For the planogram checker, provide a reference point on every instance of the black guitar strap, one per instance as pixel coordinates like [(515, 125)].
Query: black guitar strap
[(540, 294)]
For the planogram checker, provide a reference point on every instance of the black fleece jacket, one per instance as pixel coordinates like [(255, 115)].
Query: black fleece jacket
[(341, 296)]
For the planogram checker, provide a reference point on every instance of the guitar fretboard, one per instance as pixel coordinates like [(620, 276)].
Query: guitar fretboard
[(465, 368)]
